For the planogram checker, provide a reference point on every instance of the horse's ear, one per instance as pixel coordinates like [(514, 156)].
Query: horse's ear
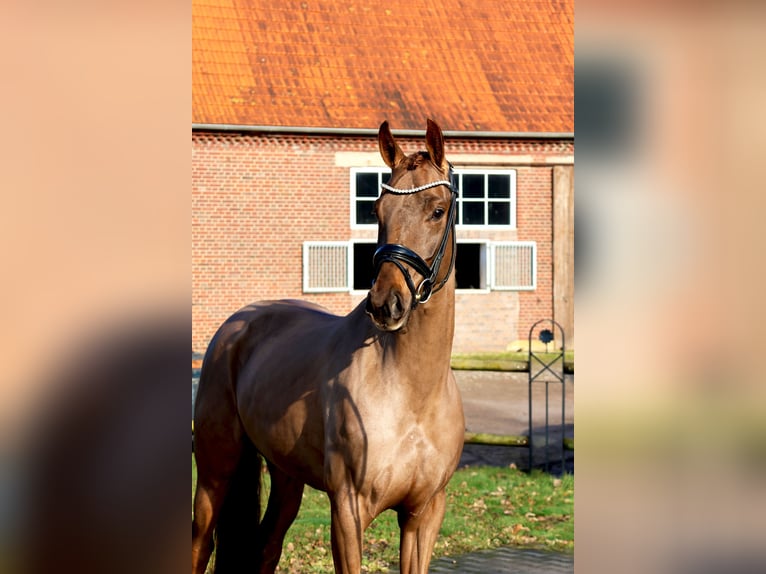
[(435, 142), (389, 149)]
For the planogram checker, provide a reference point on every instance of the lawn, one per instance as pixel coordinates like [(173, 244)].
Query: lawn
[(486, 507), (506, 361)]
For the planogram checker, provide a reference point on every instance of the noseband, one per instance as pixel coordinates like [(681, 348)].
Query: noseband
[(399, 254)]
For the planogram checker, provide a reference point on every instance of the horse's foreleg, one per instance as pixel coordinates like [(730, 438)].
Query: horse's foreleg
[(418, 535), (284, 502), (349, 521)]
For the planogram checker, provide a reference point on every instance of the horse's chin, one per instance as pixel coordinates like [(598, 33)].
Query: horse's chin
[(387, 326)]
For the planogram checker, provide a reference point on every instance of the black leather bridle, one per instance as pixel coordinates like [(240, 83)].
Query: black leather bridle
[(399, 254)]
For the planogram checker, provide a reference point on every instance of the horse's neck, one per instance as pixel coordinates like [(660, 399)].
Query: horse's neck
[(430, 330), (422, 353)]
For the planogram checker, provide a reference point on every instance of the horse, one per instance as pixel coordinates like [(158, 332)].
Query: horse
[(363, 407)]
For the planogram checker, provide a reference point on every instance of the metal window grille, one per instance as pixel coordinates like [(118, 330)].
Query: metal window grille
[(514, 266), (325, 266)]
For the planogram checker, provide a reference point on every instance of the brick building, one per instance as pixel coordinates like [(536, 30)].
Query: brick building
[(285, 166)]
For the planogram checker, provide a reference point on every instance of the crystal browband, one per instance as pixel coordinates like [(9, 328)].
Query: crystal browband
[(414, 189)]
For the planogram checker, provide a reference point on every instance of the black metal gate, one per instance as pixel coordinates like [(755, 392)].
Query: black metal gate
[(547, 368)]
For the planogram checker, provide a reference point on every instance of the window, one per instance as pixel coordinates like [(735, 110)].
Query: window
[(325, 266), (514, 266), (363, 271), (337, 266), (486, 198), (497, 266), (343, 266), (471, 265), (365, 188)]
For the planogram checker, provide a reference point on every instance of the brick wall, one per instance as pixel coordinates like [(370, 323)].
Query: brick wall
[(257, 197), (534, 222)]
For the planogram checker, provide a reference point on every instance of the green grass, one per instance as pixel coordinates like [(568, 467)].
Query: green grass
[(486, 507), (505, 361)]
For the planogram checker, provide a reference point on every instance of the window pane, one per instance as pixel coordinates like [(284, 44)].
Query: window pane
[(473, 213), (468, 266), (499, 213), (367, 185), (363, 275), (499, 186), (364, 214), (473, 185)]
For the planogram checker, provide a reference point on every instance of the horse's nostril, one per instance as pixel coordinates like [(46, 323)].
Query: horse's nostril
[(395, 306)]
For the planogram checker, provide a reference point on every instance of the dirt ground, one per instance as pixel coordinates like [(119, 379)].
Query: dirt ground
[(498, 403)]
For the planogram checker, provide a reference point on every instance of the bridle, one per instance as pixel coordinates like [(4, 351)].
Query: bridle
[(399, 254)]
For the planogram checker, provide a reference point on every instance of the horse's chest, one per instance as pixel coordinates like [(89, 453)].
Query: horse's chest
[(390, 454), (412, 469), (390, 449), (379, 427)]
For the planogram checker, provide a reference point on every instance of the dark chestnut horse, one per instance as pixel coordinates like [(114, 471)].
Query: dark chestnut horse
[(363, 407)]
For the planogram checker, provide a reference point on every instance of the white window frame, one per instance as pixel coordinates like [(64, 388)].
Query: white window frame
[(486, 200), (352, 187), (494, 284)]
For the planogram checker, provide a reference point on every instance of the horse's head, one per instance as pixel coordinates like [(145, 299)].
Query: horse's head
[(416, 214)]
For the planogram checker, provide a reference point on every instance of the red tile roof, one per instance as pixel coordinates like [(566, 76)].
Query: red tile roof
[(472, 65)]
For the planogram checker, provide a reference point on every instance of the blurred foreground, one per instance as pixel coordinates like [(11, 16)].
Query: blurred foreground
[(671, 437)]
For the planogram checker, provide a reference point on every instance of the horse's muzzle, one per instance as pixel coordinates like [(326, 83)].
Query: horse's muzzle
[(387, 308)]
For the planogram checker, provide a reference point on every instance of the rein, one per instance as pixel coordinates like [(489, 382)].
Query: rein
[(399, 254)]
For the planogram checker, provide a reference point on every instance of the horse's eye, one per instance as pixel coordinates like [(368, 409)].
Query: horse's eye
[(437, 214)]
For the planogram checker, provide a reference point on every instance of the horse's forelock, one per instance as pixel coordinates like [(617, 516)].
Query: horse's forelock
[(416, 160)]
